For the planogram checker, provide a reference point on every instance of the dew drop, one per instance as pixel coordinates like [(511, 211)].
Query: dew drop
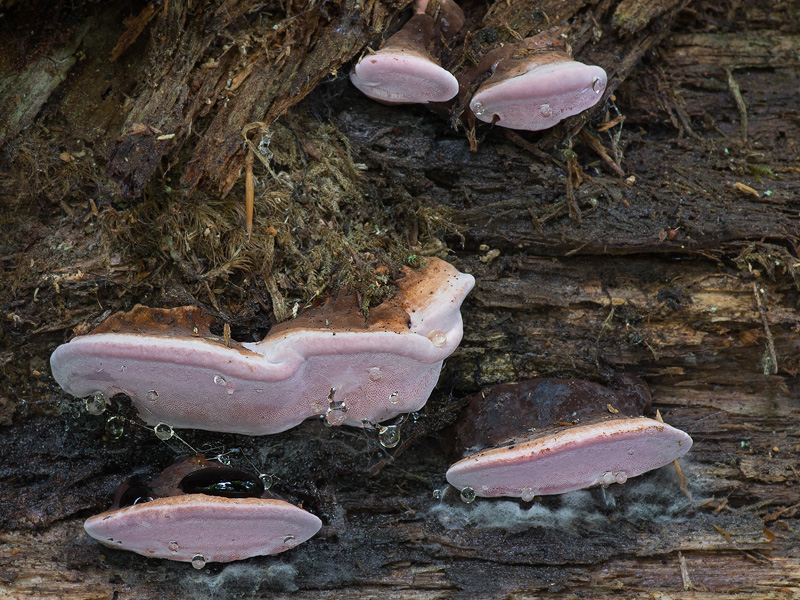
[(438, 337), (198, 561), (290, 541), (467, 495), (393, 397), (123, 368), (375, 374), (598, 85), (114, 428), (152, 395), (337, 410), (607, 479), (546, 111), (621, 477), (478, 109), (437, 493), (163, 431), (173, 546), (266, 480), (317, 407), (389, 436), (219, 380), (527, 494), (96, 405)]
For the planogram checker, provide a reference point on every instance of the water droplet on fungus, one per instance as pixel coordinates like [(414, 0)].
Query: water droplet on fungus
[(198, 561), (467, 495), (527, 494), (375, 374), (96, 405), (219, 380), (546, 111), (438, 337), (152, 395)]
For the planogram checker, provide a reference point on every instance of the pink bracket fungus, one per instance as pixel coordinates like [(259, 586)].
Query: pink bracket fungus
[(535, 84), (550, 436), (327, 361), (405, 71), (216, 522)]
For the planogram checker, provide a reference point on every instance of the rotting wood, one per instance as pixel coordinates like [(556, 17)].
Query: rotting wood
[(657, 280)]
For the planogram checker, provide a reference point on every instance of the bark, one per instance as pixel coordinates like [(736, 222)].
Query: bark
[(663, 243)]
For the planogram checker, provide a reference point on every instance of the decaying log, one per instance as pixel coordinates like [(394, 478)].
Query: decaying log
[(665, 245)]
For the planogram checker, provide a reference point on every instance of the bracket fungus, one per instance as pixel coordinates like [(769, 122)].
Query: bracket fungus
[(328, 361), (551, 436), (405, 71), (198, 513), (535, 84)]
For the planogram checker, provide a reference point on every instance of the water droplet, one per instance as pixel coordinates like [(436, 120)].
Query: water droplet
[(598, 85), (437, 493), (223, 459), (438, 337), (152, 395), (115, 428), (621, 477), (527, 494), (198, 561), (96, 405), (123, 368), (259, 390), (467, 494), (318, 407), (337, 410), (163, 431), (266, 480), (290, 541), (375, 374), (607, 478), (546, 111), (389, 436), (173, 546), (415, 416), (142, 500), (219, 380), (478, 109), (393, 397), (630, 451)]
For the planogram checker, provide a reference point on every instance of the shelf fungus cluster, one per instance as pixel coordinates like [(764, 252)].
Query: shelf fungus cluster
[(551, 436), (327, 361), (530, 85), (201, 512)]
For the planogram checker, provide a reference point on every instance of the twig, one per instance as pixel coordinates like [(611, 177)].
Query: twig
[(733, 86), (773, 355)]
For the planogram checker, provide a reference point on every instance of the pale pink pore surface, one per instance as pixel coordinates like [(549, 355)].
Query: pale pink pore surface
[(541, 97), (403, 77), (571, 459), (218, 529), (270, 386)]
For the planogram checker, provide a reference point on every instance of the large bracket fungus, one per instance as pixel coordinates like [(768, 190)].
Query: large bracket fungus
[(327, 361), (551, 436), (198, 513)]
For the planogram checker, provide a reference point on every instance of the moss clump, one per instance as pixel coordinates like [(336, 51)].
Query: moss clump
[(314, 232)]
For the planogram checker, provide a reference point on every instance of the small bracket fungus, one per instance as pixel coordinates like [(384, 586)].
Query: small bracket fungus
[(405, 71), (328, 361), (535, 84), (551, 436), (200, 514)]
